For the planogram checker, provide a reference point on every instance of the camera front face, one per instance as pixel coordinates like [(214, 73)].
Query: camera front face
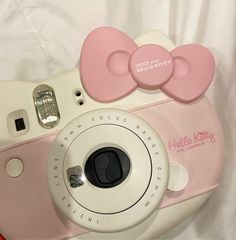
[(108, 170), (111, 167)]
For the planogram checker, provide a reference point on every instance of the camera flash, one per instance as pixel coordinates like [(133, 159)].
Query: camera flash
[(46, 106)]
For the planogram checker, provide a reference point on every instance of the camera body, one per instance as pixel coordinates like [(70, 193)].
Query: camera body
[(83, 159)]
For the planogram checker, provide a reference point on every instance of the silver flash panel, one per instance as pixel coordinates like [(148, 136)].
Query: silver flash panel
[(46, 106)]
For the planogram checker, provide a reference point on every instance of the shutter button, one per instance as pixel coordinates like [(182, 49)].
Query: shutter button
[(14, 167)]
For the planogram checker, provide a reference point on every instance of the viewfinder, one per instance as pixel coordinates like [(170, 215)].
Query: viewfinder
[(20, 124)]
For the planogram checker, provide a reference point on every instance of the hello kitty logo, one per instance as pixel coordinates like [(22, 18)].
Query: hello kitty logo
[(197, 139)]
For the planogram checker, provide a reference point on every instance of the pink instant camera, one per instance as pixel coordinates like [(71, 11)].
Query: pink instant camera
[(124, 147)]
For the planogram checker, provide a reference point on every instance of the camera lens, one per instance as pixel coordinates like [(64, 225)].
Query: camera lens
[(107, 167)]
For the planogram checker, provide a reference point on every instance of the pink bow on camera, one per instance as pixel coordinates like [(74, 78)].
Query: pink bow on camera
[(112, 66)]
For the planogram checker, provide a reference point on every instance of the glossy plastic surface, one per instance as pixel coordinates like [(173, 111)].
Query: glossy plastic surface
[(112, 66), (190, 132)]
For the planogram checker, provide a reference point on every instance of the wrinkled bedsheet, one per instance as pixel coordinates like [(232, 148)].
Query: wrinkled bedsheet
[(39, 38)]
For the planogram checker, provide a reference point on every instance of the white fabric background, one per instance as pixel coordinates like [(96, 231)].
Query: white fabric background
[(39, 38)]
